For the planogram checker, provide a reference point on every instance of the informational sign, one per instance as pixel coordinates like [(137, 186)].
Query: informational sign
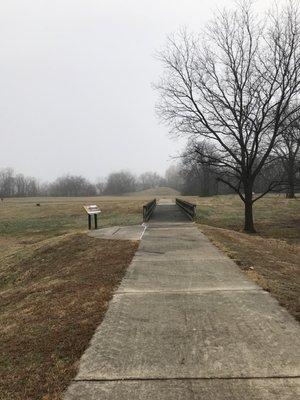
[(92, 209)]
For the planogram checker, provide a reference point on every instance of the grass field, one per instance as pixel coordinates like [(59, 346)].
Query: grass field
[(56, 282), (275, 216), (56, 216)]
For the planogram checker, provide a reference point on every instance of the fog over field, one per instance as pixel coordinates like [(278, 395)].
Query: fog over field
[(75, 79)]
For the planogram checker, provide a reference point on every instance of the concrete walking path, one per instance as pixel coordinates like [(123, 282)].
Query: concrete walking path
[(186, 323)]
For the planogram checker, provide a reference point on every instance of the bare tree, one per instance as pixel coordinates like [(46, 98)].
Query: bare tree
[(25, 186), (17, 185), (120, 183), (7, 182), (287, 149), (200, 177), (174, 178), (232, 88), (71, 186), (149, 180), (100, 187)]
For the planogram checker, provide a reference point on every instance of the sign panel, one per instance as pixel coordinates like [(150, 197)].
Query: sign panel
[(92, 209)]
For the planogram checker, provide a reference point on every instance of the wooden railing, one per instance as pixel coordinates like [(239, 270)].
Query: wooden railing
[(188, 208), (148, 210)]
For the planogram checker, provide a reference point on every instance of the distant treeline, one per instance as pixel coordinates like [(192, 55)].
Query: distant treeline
[(17, 185), (200, 177), (189, 177), (117, 183)]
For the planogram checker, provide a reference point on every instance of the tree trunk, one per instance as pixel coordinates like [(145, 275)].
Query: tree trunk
[(205, 181), (290, 193), (249, 224)]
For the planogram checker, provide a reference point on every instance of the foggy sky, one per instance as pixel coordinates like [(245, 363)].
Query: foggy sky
[(75, 83)]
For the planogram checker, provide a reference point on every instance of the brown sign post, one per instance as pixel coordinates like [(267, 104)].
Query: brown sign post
[(92, 210)]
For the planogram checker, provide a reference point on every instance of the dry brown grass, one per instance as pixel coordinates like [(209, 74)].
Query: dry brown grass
[(53, 297), (55, 283)]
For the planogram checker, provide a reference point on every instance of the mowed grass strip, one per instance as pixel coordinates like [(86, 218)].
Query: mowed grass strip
[(53, 296), (271, 257), (274, 215), (24, 220)]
